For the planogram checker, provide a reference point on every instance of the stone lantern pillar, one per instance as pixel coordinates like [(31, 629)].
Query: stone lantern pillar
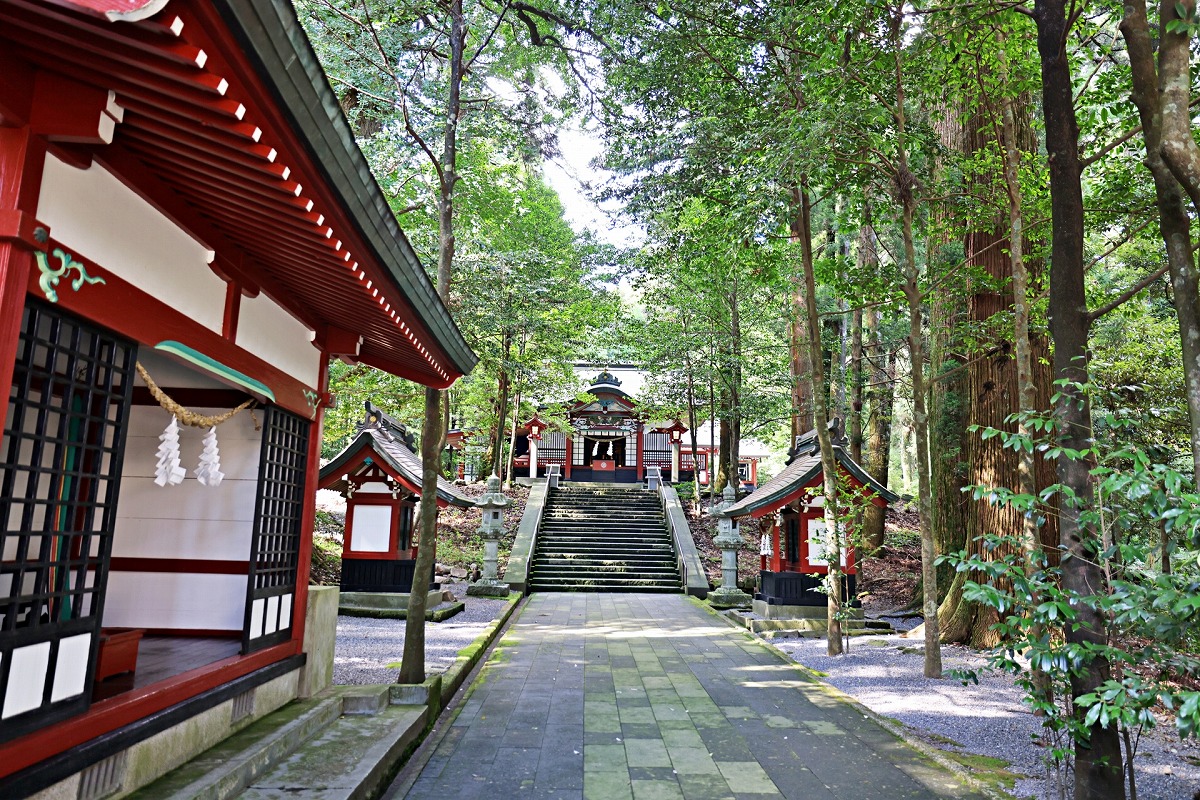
[(492, 504), (729, 539)]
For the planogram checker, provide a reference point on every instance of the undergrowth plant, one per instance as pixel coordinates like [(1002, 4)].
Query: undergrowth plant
[(1146, 515)]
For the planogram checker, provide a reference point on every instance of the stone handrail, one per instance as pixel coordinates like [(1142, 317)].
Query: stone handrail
[(516, 574), (694, 579)]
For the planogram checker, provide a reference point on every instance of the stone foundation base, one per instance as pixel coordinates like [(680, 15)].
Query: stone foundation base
[(481, 589), (729, 598), (382, 601), (766, 610)]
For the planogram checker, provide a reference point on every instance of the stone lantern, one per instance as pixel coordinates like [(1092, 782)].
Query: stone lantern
[(729, 539), (492, 504)]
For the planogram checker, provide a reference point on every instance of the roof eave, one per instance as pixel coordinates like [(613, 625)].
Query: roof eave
[(275, 42)]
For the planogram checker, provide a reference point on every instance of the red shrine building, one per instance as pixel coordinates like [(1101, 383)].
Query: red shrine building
[(795, 546), (611, 441), (188, 233), (379, 474)]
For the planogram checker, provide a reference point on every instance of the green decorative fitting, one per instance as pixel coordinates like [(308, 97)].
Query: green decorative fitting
[(215, 367), (51, 276), (311, 398)]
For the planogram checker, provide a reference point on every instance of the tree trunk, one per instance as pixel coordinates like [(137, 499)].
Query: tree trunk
[(833, 579), (412, 663), (1098, 763), (879, 426), (503, 389), (800, 359), (854, 417), (1152, 104), (906, 186)]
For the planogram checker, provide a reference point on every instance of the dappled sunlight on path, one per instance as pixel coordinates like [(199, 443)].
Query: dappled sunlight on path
[(632, 696)]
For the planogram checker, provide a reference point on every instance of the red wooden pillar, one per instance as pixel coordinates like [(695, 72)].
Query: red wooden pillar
[(570, 458), (22, 159), (641, 456), (309, 517)]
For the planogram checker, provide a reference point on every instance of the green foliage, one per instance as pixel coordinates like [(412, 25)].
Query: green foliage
[(1151, 603)]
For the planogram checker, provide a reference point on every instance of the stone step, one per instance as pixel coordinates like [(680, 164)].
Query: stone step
[(662, 575), (352, 759), (241, 765), (617, 565), (595, 549), (573, 586), (604, 539), (224, 770), (625, 513), (597, 533)]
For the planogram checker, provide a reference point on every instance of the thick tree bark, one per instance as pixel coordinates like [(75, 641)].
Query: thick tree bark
[(1098, 763), (879, 426), (948, 401), (800, 360), (1151, 94)]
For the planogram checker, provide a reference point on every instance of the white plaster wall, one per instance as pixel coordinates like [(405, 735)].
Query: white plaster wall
[(174, 600), (271, 333), (95, 215), (188, 521)]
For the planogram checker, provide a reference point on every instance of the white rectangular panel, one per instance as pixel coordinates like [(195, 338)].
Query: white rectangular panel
[(285, 612), (371, 529), (70, 668), (26, 679), (190, 601), (256, 618)]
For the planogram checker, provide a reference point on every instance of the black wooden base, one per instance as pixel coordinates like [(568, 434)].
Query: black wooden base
[(800, 589), (377, 574)]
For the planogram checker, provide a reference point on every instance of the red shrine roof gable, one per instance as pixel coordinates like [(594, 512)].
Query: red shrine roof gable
[(228, 126)]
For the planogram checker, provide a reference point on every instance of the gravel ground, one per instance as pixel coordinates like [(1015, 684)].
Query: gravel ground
[(884, 673), (366, 646)]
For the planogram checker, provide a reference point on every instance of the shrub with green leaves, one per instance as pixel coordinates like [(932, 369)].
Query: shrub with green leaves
[(1146, 513)]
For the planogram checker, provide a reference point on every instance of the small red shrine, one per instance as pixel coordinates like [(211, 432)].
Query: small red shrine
[(793, 550), (380, 476)]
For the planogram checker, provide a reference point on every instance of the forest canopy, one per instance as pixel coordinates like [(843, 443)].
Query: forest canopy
[(965, 229)]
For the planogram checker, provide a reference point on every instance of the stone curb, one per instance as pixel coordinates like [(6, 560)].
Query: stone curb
[(902, 733), (456, 673), (437, 726), (432, 615)]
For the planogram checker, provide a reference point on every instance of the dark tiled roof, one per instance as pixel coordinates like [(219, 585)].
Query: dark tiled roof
[(403, 463), (800, 472)]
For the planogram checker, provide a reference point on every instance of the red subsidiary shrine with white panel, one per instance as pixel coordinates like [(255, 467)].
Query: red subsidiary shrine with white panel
[(186, 228)]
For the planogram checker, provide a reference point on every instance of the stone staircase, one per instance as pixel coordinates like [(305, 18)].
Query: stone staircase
[(604, 538)]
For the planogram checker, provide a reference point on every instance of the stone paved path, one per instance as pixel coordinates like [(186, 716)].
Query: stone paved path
[(608, 696)]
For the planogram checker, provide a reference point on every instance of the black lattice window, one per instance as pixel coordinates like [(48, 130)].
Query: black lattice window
[(791, 527), (406, 527), (60, 469), (657, 451), (278, 512), (553, 448)]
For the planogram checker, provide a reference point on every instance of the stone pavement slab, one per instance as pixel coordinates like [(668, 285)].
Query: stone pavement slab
[(607, 696)]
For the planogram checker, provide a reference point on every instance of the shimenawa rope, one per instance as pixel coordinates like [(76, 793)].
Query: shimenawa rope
[(187, 416)]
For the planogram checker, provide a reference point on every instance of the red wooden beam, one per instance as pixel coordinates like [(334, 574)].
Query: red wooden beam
[(109, 304), (125, 709)]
